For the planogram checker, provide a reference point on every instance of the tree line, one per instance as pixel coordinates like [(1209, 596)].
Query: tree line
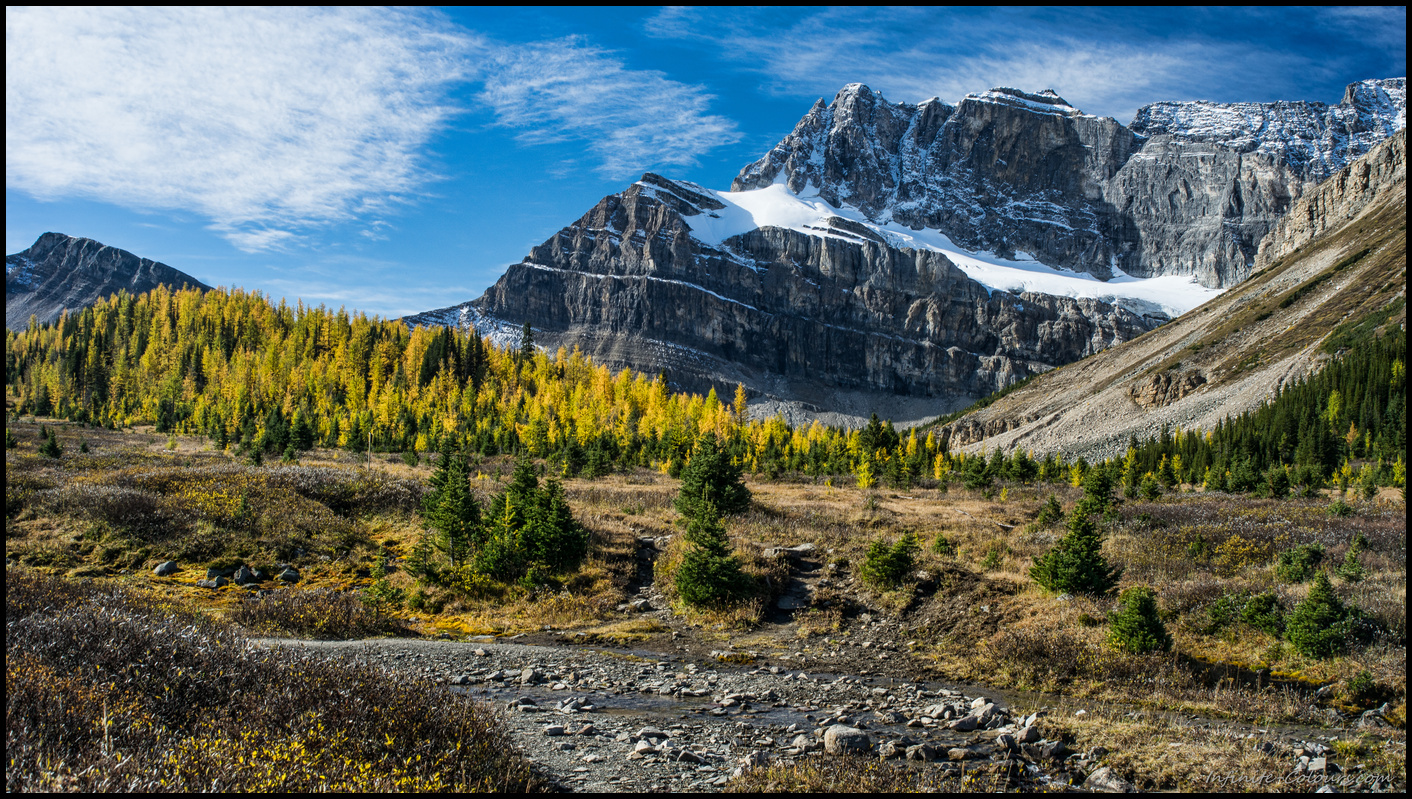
[(270, 378)]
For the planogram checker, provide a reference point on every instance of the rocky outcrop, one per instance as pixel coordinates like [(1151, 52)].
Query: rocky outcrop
[(629, 285), (1189, 189), (1314, 140), (1165, 388), (1004, 171), (62, 273), (1343, 197)]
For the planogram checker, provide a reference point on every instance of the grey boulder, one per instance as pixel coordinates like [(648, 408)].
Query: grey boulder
[(840, 740)]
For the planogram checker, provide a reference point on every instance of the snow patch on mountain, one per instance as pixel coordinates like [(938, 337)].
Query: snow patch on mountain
[(467, 316), (19, 271), (776, 206)]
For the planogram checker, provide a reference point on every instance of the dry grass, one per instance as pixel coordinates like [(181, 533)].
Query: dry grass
[(1165, 751), (860, 774), (975, 611), (314, 613), (111, 688)]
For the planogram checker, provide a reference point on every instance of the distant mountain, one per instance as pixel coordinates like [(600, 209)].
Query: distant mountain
[(1338, 259), (1187, 189), (1314, 139), (61, 273), (909, 258)]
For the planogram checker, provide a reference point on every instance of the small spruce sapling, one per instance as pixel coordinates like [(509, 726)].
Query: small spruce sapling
[(711, 479), (709, 574), (50, 448), (1076, 565), (1050, 513), (1320, 625), (887, 566), (1137, 626)]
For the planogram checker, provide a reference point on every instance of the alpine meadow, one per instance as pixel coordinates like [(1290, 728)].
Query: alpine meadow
[(960, 445)]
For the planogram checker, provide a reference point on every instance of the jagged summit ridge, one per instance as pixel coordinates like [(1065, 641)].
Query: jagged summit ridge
[(1189, 189), (1315, 139), (921, 253)]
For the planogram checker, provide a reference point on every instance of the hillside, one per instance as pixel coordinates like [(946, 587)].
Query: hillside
[(1338, 258)]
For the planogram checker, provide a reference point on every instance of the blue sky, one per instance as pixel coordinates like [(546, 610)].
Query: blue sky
[(396, 161)]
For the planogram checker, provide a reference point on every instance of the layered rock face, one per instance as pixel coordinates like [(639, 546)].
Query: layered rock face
[(630, 284), (1339, 258), (1189, 189), (1341, 198), (59, 273)]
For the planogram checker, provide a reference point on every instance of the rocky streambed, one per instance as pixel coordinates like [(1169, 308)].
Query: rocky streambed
[(614, 720)]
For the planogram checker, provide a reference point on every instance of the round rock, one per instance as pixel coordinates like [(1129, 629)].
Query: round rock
[(841, 740)]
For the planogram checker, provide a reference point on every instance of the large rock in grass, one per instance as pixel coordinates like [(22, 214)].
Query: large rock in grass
[(1108, 781), (841, 740), (166, 568)]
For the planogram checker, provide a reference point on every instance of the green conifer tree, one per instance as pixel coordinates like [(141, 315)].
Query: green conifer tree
[(1277, 482), (1137, 627), (709, 574), (1149, 489), (1319, 626), (451, 509), (711, 479), (887, 566), (1050, 513), (1076, 564), (50, 447)]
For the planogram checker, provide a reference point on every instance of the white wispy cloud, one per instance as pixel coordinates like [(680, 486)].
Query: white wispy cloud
[(272, 122), (264, 121), (570, 90), (1091, 57)]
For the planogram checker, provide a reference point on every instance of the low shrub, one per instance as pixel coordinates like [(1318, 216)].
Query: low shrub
[(994, 556), (1263, 612), (1361, 687), (184, 703), (316, 613), (1299, 564), (1340, 508), (887, 566)]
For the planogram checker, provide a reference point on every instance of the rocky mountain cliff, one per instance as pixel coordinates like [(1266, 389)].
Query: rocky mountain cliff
[(59, 273), (786, 313), (927, 251), (1313, 139), (1337, 259), (1188, 189)]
